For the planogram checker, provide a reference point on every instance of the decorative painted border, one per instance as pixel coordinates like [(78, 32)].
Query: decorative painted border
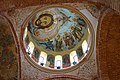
[(63, 76), (62, 70)]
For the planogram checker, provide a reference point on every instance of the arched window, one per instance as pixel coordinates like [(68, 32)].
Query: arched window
[(30, 49), (42, 58), (85, 46), (88, 40), (73, 58), (88, 31), (25, 33), (58, 62)]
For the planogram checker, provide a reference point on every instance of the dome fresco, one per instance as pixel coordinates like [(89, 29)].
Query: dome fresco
[(57, 29), (56, 37)]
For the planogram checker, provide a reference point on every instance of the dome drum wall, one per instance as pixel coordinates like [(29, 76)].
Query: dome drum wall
[(69, 44)]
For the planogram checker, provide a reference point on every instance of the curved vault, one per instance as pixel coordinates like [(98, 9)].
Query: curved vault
[(8, 56), (57, 37)]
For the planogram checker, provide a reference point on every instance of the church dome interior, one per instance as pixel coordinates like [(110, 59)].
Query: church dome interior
[(57, 37), (59, 40)]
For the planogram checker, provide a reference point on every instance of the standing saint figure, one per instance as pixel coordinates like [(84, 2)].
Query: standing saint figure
[(58, 41), (76, 32), (68, 40)]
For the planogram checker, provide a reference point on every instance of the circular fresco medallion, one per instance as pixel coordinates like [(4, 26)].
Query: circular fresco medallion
[(57, 36), (44, 21)]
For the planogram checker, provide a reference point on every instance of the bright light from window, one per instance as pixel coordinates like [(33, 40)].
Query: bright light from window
[(84, 46), (43, 58), (58, 61), (30, 48), (88, 31), (73, 58), (25, 33)]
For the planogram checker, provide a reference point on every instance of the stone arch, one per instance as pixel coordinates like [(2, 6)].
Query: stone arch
[(108, 43), (9, 49)]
